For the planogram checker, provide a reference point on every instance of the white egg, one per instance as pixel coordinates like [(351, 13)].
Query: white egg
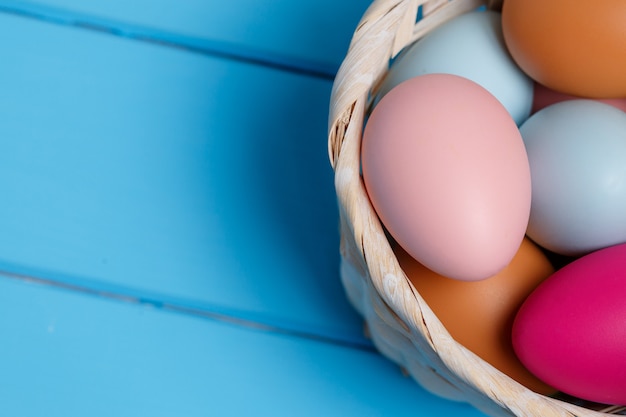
[(470, 46), (577, 155)]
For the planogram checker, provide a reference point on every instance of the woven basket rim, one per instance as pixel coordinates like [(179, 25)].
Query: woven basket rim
[(385, 29)]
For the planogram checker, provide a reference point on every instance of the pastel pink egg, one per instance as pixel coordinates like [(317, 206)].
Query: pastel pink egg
[(571, 331), (447, 172)]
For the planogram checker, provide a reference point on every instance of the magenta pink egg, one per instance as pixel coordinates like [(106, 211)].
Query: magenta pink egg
[(447, 172), (571, 331)]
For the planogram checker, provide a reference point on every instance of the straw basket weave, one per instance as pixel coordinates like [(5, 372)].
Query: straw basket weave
[(400, 323)]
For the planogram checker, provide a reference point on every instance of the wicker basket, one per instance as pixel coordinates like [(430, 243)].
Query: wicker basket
[(400, 323)]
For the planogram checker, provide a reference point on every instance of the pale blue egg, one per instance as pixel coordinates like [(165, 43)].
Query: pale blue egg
[(470, 46), (577, 155)]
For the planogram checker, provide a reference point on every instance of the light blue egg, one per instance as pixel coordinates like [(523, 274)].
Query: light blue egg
[(471, 46), (577, 155)]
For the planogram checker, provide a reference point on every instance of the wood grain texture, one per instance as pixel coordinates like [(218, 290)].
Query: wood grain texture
[(73, 355), (312, 35), (138, 169)]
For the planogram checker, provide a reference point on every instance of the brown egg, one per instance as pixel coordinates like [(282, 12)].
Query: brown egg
[(479, 314), (571, 46)]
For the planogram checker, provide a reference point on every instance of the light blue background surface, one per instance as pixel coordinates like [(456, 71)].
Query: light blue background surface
[(168, 227)]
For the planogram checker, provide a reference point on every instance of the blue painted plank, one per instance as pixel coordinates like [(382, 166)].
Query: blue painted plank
[(306, 34), (66, 354), (130, 168)]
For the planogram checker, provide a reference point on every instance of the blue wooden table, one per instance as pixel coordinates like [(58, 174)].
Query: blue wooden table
[(168, 226)]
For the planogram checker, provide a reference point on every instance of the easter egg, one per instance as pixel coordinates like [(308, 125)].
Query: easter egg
[(571, 331), (479, 315), (571, 46), (471, 46), (577, 155), (446, 171)]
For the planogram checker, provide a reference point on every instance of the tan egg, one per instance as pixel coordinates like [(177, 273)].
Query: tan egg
[(479, 314), (575, 47)]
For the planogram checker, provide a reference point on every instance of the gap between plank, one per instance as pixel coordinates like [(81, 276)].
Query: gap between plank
[(231, 51), (234, 317), (221, 49)]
